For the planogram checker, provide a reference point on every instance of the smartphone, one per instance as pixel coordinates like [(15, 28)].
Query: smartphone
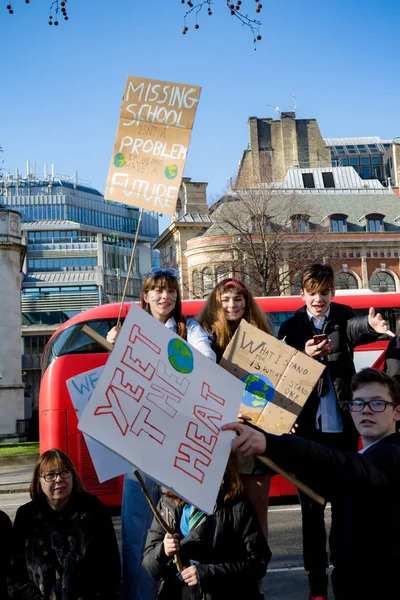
[(319, 338)]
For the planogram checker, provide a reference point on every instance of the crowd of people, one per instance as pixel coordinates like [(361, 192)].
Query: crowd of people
[(62, 545)]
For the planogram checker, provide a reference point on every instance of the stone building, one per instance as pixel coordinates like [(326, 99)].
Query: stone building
[(12, 252), (333, 213), (278, 145), (191, 219)]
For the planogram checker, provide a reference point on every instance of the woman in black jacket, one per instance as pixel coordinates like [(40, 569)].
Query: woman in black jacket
[(64, 541), (224, 555)]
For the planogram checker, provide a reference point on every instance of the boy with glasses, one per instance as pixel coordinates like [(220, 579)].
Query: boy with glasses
[(365, 486), (328, 332)]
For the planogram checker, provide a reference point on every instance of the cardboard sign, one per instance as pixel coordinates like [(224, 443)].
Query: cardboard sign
[(160, 404), (278, 379), (107, 464), (150, 149)]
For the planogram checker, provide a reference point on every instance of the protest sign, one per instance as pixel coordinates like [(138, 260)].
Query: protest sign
[(160, 404), (107, 464), (150, 148), (278, 379)]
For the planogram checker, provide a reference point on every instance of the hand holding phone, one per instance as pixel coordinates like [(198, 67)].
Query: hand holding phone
[(321, 337)]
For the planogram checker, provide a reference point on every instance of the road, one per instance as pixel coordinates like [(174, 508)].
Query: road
[(285, 579)]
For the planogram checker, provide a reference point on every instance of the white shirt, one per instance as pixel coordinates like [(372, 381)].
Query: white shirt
[(328, 418)]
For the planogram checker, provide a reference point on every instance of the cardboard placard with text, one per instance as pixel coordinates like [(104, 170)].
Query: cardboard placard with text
[(160, 404), (151, 144), (278, 379)]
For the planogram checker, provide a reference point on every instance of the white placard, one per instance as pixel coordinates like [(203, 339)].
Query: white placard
[(160, 404), (107, 463)]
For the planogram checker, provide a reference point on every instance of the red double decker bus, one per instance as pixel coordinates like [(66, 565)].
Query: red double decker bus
[(70, 352)]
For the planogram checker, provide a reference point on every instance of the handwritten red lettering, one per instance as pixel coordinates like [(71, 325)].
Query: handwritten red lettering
[(142, 424), (119, 390), (207, 394), (207, 416), (163, 398), (205, 441), (178, 384), (136, 364), (136, 334), (189, 460)]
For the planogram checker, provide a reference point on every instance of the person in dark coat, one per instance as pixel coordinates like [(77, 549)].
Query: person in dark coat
[(321, 419), (392, 358), (5, 552), (64, 541), (224, 555), (364, 485)]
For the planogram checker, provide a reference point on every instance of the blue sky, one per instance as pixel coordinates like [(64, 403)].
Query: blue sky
[(61, 88)]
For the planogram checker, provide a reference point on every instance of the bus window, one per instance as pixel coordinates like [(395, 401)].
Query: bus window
[(277, 319), (74, 341)]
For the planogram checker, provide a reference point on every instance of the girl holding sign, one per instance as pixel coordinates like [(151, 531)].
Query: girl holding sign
[(223, 555), (229, 302), (160, 298)]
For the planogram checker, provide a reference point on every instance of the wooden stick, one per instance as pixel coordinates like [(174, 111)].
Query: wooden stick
[(301, 486), (97, 338), (167, 528), (130, 267)]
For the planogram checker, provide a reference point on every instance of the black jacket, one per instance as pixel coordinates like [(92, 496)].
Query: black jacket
[(392, 358), (5, 552), (346, 330), (65, 555), (230, 547), (365, 530)]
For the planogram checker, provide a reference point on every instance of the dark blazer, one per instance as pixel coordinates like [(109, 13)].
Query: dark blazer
[(365, 531), (65, 555), (230, 547), (5, 552), (346, 330), (392, 358)]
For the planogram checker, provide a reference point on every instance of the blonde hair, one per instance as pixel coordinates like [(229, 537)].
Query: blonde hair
[(53, 459), (165, 281), (212, 316)]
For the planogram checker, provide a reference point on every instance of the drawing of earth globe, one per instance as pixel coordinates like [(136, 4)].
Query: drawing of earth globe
[(180, 356), (258, 392), (119, 160)]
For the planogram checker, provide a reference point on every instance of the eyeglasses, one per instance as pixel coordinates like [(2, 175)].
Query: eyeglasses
[(52, 476), (375, 405), (169, 272)]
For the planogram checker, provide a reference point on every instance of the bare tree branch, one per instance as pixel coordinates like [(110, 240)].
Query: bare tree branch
[(264, 236)]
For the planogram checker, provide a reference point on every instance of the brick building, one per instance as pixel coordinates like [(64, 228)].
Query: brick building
[(331, 213)]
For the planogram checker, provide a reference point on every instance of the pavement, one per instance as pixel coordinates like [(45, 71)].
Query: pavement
[(15, 475)]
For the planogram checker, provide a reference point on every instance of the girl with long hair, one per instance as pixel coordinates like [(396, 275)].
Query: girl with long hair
[(224, 555), (229, 302), (160, 298)]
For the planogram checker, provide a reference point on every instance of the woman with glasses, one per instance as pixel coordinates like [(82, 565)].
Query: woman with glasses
[(160, 298), (64, 541), (230, 302)]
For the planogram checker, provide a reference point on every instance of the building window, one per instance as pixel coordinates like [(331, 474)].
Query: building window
[(345, 281), (207, 282), (300, 223), (308, 180), (338, 223), (374, 224), (328, 180), (197, 284), (381, 281), (222, 273), (296, 284)]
